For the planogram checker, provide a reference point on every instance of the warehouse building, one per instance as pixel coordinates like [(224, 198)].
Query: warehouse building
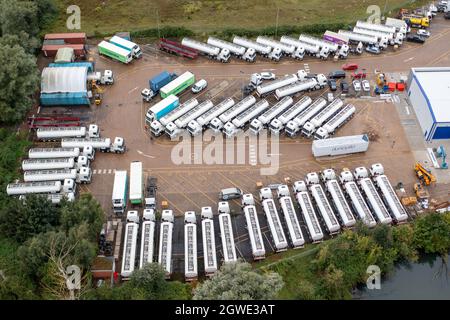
[(429, 95), (64, 86)]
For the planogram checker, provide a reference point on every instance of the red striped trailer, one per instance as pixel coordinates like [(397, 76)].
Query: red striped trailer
[(177, 48)]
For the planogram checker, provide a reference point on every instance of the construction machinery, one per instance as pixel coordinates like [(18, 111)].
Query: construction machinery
[(421, 193), (440, 153), (97, 93), (424, 175)]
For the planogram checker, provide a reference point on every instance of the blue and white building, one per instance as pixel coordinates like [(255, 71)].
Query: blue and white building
[(429, 95)]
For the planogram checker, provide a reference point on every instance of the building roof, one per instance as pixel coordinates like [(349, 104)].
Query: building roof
[(65, 55), (71, 35), (435, 86), (63, 80)]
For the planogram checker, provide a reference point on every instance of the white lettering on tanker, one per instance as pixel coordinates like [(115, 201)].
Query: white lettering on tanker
[(73, 22), (210, 149)]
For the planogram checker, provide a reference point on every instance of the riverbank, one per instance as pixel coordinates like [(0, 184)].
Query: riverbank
[(333, 269)]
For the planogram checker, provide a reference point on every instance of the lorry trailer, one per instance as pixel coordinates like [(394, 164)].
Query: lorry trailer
[(104, 144), (178, 85), (84, 175), (254, 230), (331, 222), (320, 42), (376, 27), (157, 127), (177, 48), (374, 200), (241, 52), (56, 133), (156, 83), (195, 127), (217, 123), (267, 88), (310, 126), (48, 164), (129, 249), (222, 55), (247, 43), (287, 207), (294, 126), (226, 233), (310, 84), (311, 49), (190, 246), (340, 145), (147, 237), (273, 219), (309, 214), (278, 124), (136, 182), (115, 52), (161, 109), (209, 242), (127, 45), (336, 38), (230, 129), (264, 120), (357, 201), (119, 194), (358, 37), (338, 199), (22, 188), (286, 49), (400, 25), (165, 242), (383, 38), (337, 121), (49, 153)]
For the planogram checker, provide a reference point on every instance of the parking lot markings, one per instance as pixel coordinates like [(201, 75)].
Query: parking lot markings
[(104, 171), (109, 171), (95, 171)]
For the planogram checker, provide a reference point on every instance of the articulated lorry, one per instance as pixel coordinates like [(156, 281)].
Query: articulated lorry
[(246, 54), (177, 48), (157, 127), (310, 126), (355, 37), (147, 237), (264, 120), (195, 127), (130, 245), (162, 108), (264, 50), (232, 128), (287, 49), (190, 246), (278, 123), (136, 183), (49, 153), (294, 126), (339, 119), (115, 52), (55, 163), (178, 85), (288, 209), (41, 187), (306, 47), (103, 144), (156, 83), (83, 175), (222, 55), (267, 88), (165, 242), (119, 194), (311, 84), (217, 123), (209, 241), (127, 45), (226, 232), (254, 230), (57, 133)]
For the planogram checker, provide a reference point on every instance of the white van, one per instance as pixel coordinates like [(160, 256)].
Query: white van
[(199, 86)]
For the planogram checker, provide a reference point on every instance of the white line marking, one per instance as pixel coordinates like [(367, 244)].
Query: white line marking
[(104, 171), (134, 89), (407, 110), (109, 171), (145, 155), (95, 171), (409, 59)]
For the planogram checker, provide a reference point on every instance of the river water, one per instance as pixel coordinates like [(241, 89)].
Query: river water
[(429, 278)]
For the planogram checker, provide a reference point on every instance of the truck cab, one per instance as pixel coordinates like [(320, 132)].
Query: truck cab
[(230, 130), (249, 55), (156, 128), (88, 152), (84, 175), (299, 53), (148, 94), (343, 51), (69, 186), (172, 130), (194, 128), (216, 125), (256, 126), (150, 198), (275, 127), (224, 55), (275, 54), (323, 53)]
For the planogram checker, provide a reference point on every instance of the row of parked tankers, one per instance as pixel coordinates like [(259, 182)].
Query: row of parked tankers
[(319, 118), (393, 32), (54, 172), (327, 203)]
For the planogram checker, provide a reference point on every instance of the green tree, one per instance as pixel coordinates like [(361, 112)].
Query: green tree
[(46, 11), (17, 16), (431, 233), (22, 39), (333, 285), (85, 211), (237, 281), (150, 280), (18, 82)]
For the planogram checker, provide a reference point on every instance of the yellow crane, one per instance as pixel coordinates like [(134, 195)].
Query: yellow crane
[(97, 93), (424, 175)]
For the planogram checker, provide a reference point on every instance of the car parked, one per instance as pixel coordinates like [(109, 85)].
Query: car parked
[(267, 75), (423, 33), (230, 193), (357, 85), (344, 87), (366, 85), (373, 49), (338, 74), (350, 66), (199, 86), (359, 75), (415, 38), (447, 15), (332, 84)]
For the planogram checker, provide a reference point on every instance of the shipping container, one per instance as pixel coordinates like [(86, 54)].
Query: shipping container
[(72, 37), (178, 85)]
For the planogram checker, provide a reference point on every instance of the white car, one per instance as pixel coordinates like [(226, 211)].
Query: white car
[(423, 33), (267, 75), (366, 85), (199, 86), (357, 85)]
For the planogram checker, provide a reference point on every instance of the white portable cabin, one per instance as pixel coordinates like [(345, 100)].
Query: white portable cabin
[(254, 232), (226, 234), (375, 201), (165, 242), (309, 214), (48, 164), (190, 246), (179, 111), (340, 203), (129, 249), (287, 207), (147, 238), (391, 198), (359, 204), (209, 241), (275, 226), (325, 209)]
